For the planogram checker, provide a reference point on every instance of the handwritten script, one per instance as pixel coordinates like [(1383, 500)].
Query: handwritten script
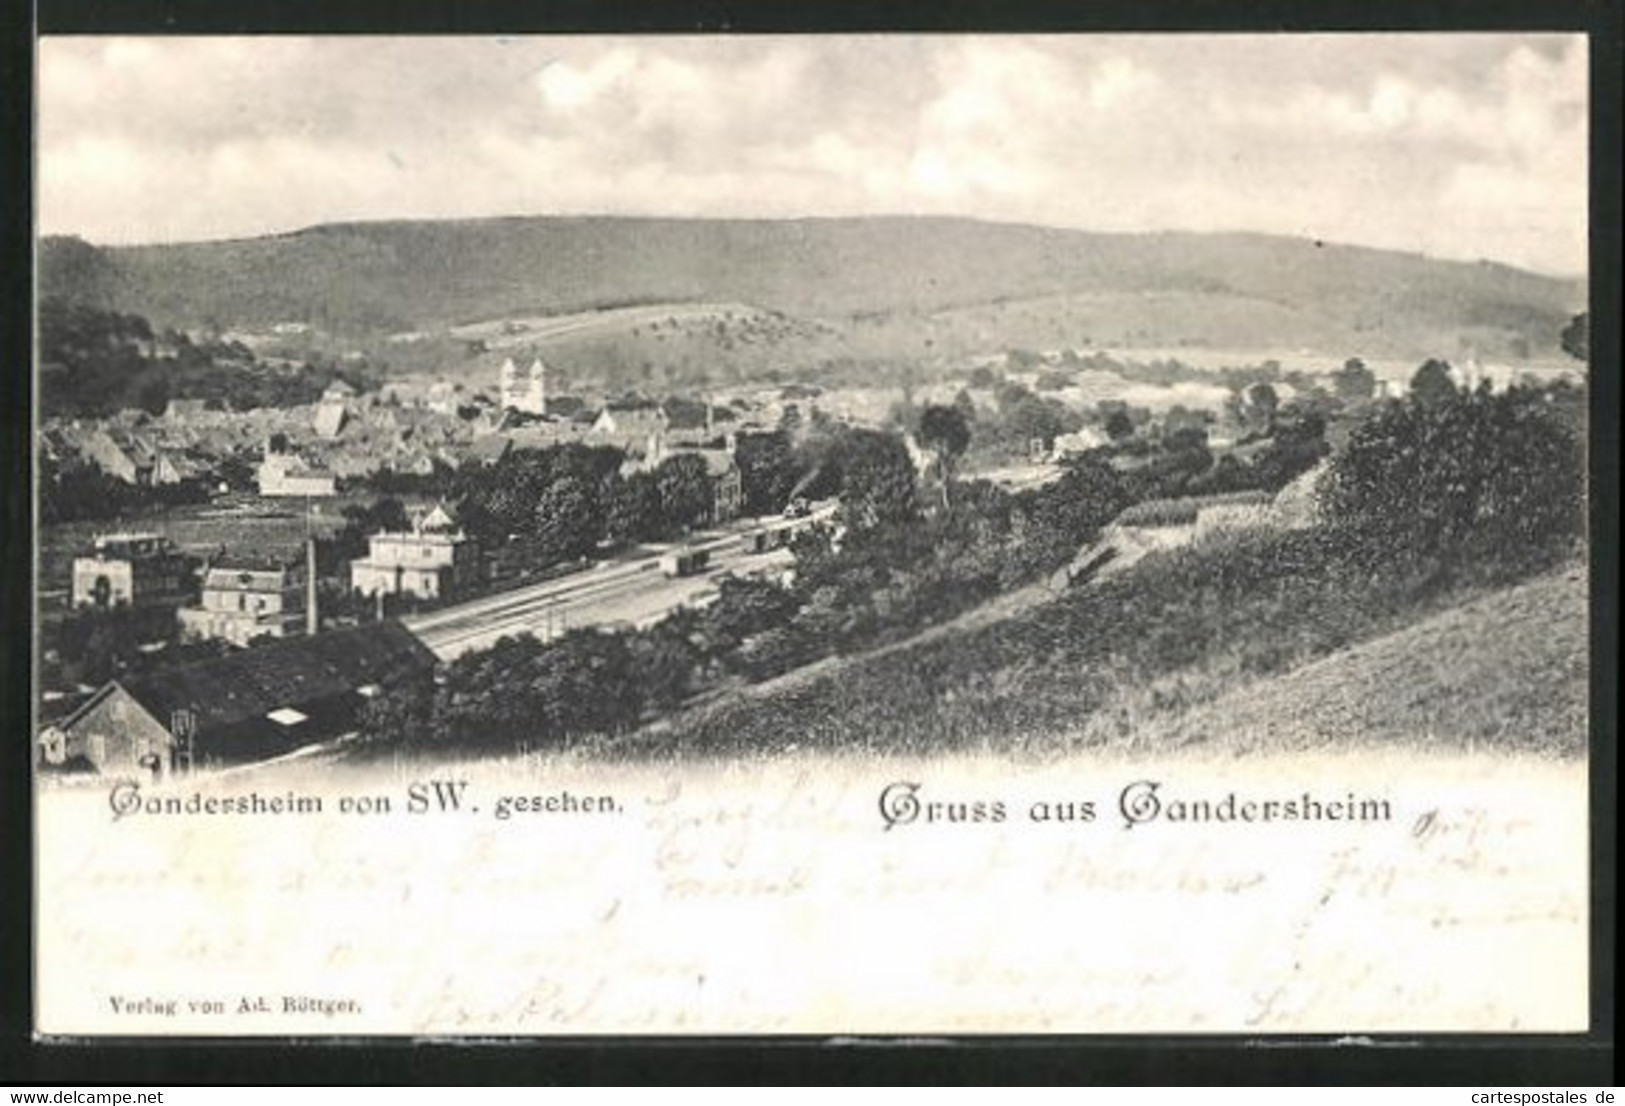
[(780, 897)]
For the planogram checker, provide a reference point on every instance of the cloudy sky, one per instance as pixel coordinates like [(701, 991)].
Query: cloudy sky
[(1454, 145)]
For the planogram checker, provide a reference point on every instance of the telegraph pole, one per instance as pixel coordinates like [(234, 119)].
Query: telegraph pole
[(313, 622)]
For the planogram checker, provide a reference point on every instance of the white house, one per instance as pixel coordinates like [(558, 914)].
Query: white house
[(284, 474), (247, 597), (431, 560), (133, 569)]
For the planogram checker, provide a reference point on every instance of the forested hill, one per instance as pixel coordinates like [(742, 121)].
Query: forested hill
[(383, 276)]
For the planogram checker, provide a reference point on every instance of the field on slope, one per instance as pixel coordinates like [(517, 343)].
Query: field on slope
[(1506, 671), (1280, 644)]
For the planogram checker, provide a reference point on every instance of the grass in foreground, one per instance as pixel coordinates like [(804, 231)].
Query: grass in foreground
[(1271, 642)]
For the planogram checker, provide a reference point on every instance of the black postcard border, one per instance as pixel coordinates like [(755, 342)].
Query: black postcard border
[(1399, 1059)]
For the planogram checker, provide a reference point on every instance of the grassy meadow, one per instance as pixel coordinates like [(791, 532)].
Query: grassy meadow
[(1249, 643)]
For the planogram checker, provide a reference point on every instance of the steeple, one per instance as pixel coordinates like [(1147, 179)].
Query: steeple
[(537, 392)]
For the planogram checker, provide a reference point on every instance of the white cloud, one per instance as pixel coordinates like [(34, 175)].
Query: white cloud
[(570, 87), (1461, 145)]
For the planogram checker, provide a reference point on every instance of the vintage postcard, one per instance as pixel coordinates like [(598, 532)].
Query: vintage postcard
[(842, 535)]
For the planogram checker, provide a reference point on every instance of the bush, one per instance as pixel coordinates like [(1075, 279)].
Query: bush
[(1472, 477)]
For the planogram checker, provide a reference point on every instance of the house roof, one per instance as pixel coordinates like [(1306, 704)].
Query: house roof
[(438, 519), (217, 580), (687, 416), (630, 422), (329, 420), (492, 447), (282, 675)]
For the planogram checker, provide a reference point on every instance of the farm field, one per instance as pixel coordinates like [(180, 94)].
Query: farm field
[(528, 329)]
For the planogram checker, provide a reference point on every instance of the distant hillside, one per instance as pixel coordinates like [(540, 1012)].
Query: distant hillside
[(891, 286)]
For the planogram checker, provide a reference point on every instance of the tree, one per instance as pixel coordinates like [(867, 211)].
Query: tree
[(663, 665), (71, 270), (767, 471), (1028, 418), (1576, 337), (631, 508), (943, 430), (744, 608), (567, 522), (1501, 475), (685, 492), (1354, 383), (965, 405), (521, 690), (877, 479), (1433, 386), (1260, 402), (402, 715), (1119, 426)]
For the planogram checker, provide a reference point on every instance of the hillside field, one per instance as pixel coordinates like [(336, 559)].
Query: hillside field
[(1183, 650)]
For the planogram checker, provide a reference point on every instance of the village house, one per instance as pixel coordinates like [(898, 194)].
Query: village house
[(330, 418), (173, 466), (186, 411), (286, 474), (242, 708), (1474, 374), (247, 597), (432, 560), (443, 397), (131, 570), (488, 449), (121, 454), (639, 431), (412, 462), (1078, 441), (56, 444), (1226, 432), (338, 391)]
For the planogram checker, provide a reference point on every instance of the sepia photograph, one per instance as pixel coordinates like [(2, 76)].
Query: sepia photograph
[(828, 534)]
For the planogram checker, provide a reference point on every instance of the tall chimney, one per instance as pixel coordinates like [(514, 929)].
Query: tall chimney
[(313, 622)]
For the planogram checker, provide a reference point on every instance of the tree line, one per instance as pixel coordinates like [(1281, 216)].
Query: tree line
[(96, 362)]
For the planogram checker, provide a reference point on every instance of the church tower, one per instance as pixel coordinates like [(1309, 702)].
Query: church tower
[(526, 394), (536, 388), (508, 385)]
